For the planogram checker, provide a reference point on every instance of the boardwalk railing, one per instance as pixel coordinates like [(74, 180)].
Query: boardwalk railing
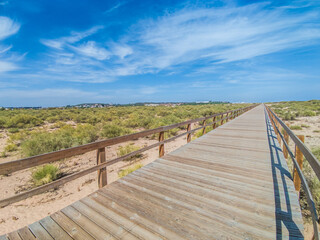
[(313, 161), (13, 166)]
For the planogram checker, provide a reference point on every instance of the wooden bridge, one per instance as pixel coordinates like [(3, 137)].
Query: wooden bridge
[(231, 183)]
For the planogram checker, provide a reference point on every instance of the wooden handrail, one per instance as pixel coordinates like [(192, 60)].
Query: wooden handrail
[(14, 166), (309, 157)]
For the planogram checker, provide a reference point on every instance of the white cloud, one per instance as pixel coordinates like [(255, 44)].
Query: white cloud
[(8, 27), (7, 66), (114, 7), (173, 42), (73, 38), (225, 34), (121, 51), (7, 60), (90, 49)]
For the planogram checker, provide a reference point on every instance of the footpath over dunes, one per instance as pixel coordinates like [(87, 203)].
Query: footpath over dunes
[(231, 183)]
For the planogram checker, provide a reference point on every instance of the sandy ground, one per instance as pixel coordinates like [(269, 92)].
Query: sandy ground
[(25, 212)]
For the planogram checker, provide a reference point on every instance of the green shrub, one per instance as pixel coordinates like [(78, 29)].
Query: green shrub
[(59, 124), (2, 122), (113, 130), (11, 147), (13, 130), (3, 154), (65, 137), (23, 120), (45, 174), (309, 113), (124, 150), (295, 127), (305, 126), (128, 170)]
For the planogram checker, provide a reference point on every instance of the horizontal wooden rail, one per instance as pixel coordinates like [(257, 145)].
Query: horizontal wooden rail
[(313, 161), (54, 156), (310, 157), (13, 166)]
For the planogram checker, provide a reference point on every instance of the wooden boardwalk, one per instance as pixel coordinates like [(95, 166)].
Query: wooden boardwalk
[(232, 183)]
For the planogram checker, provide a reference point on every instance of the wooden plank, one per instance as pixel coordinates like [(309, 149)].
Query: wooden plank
[(113, 229), (26, 234), (54, 229), (87, 226), (38, 231), (169, 216), (125, 211), (118, 220), (14, 236), (75, 231)]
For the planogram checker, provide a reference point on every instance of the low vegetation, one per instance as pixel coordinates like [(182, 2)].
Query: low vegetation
[(38, 131), (293, 109), (296, 127), (41, 142), (45, 174), (128, 170), (124, 150)]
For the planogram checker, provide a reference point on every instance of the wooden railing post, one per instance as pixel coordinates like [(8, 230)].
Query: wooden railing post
[(227, 117), (161, 147), (299, 158), (102, 173), (214, 123), (204, 129), (279, 127), (221, 119), (189, 134), (284, 149)]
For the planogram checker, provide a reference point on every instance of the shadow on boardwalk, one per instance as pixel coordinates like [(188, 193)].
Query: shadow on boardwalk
[(283, 215)]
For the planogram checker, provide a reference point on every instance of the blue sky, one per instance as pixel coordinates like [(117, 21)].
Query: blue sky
[(55, 53)]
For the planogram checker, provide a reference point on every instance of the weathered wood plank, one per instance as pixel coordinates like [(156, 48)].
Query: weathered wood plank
[(85, 225), (74, 230), (14, 236), (39, 232), (54, 229), (25, 234)]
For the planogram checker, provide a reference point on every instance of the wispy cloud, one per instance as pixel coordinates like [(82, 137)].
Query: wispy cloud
[(7, 27), (91, 49), (114, 7), (74, 37), (210, 36), (225, 34), (8, 60)]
